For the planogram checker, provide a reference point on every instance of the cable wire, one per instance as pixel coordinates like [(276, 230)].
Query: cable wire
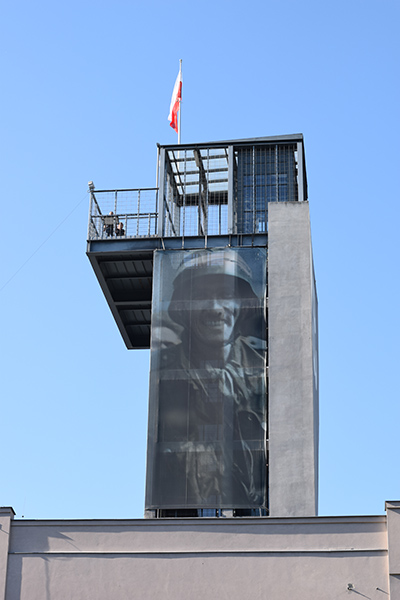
[(42, 244)]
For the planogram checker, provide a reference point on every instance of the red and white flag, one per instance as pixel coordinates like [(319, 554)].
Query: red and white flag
[(175, 102)]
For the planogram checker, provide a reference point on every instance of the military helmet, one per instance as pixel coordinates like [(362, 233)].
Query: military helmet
[(225, 267), (213, 262)]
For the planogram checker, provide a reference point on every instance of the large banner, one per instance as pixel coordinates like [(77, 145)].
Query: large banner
[(208, 421)]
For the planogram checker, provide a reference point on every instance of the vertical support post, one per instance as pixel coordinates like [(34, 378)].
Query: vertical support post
[(253, 228), (231, 184), (91, 188), (157, 174), (199, 208), (138, 214), (161, 194), (207, 198), (184, 198), (158, 165), (300, 163)]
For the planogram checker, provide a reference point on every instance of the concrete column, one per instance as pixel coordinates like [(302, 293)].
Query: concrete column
[(293, 363), (6, 516)]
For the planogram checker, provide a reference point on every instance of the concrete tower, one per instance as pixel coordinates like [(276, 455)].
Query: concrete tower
[(212, 270)]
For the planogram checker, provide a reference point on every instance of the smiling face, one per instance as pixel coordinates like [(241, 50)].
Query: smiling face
[(215, 310)]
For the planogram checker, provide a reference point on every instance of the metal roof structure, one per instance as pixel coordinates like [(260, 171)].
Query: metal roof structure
[(213, 194)]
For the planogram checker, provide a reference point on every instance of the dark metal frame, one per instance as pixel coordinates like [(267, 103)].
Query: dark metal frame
[(129, 296)]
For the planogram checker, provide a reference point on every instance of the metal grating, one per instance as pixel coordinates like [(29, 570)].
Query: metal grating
[(263, 174), (196, 192)]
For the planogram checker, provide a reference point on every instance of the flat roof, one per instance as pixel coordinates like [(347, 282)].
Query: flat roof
[(274, 139)]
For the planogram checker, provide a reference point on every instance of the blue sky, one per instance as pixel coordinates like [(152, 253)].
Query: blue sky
[(86, 93)]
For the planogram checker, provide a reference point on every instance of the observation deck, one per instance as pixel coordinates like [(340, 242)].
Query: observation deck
[(207, 195)]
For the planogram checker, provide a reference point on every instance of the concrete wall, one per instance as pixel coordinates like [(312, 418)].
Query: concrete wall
[(393, 516), (293, 362), (6, 516), (240, 559)]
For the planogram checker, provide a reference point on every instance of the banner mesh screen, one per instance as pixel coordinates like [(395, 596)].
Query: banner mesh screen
[(207, 411)]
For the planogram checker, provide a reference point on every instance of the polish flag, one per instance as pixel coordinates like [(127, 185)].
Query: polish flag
[(175, 102)]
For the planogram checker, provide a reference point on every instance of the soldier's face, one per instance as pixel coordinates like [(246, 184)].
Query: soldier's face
[(215, 312)]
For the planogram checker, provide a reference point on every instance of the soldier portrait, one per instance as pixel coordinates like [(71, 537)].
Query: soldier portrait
[(208, 403)]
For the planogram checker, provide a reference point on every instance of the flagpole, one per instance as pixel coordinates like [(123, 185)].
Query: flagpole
[(180, 106)]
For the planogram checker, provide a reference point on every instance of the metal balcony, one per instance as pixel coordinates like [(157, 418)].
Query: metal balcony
[(207, 195)]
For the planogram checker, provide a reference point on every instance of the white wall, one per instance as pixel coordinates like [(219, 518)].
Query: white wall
[(198, 558)]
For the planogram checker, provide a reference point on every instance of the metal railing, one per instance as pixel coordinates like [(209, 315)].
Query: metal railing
[(204, 189), (122, 213)]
